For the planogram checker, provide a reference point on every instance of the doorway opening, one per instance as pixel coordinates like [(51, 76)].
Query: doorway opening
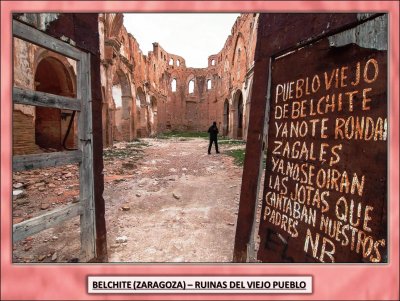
[(238, 115), (51, 125), (226, 118)]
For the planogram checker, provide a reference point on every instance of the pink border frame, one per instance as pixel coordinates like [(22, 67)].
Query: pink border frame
[(56, 282)]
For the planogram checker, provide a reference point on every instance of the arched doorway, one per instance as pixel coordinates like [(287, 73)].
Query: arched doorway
[(226, 118), (153, 116), (51, 125), (122, 97), (238, 115)]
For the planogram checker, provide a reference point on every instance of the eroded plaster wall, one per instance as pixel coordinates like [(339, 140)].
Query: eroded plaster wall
[(146, 104), (38, 129), (154, 106)]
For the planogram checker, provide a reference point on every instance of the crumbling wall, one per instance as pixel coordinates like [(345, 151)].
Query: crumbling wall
[(229, 72), (40, 129), (116, 70), (24, 116), (82, 31), (158, 108)]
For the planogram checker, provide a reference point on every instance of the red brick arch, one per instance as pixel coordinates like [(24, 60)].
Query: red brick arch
[(55, 75)]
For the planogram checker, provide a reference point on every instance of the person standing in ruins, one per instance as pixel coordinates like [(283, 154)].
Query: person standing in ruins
[(213, 131)]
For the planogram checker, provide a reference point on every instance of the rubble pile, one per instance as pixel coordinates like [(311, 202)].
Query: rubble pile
[(41, 190)]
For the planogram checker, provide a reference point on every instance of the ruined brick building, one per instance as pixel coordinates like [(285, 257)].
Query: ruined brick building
[(142, 95)]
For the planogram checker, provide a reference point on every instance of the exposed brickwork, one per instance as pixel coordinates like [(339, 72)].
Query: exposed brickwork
[(23, 124), (38, 69), (81, 30), (136, 89), (148, 103)]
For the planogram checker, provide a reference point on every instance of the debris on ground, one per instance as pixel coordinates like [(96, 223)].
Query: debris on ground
[(144, 182)]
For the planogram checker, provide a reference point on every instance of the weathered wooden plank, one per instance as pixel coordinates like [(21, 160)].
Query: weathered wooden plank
[(251, 255), (36, 98), (45, 221), (34, 36), (358, 47), (88, 220), (27, 162)]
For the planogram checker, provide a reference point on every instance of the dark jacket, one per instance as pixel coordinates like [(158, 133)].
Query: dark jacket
[(213, 131)]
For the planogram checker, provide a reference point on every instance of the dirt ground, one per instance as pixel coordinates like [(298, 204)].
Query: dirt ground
[(166, 200)]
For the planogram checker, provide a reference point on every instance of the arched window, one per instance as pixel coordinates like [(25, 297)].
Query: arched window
[(209, 84), (171, 62), (178, 62), (191, 86), (213, 63), (173, 85)]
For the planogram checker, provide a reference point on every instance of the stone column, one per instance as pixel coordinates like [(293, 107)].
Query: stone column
[(143, 120), (233, 123)]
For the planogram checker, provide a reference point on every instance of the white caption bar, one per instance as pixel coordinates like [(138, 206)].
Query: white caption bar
[(197, 284)]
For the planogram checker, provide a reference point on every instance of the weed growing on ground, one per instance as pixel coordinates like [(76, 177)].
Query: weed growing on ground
[(227, 141), (238, 155), (181, 134)]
